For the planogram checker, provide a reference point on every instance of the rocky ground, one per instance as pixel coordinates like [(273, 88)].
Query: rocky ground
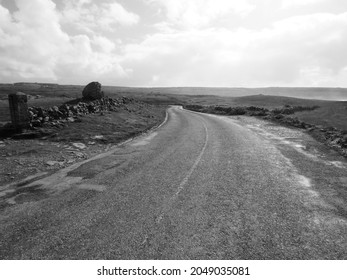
[(57, 142)]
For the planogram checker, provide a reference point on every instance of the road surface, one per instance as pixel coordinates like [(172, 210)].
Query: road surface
[(198, 187)]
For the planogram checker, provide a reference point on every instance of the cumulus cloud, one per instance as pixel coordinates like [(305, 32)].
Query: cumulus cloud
[(200, 13), (200, 42), (89, 16), (31, 40), (286, 53), (33, 46)]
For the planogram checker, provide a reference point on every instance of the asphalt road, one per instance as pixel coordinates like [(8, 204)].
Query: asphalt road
[(199, 187)]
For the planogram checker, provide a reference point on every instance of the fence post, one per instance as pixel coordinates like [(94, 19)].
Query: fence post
[(18, 103)]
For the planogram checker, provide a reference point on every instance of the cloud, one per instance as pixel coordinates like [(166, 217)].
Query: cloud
[(283, 54), (200, 13), (203, 43), (295, 3), (87, 16), (89, 59), (33, 46), (5, 16), (31, 40)]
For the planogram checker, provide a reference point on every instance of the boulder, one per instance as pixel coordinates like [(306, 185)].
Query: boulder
[(92, 91)]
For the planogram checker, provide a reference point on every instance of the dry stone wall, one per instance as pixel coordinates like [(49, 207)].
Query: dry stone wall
[(56, 115)]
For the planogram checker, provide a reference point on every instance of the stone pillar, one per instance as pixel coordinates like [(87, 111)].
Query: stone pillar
[(19, 110)]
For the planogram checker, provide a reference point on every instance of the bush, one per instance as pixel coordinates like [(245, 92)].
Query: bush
[(194, 107), (288, 110), (235, 111)]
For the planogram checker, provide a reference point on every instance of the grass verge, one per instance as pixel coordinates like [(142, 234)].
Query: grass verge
[(64, 145)]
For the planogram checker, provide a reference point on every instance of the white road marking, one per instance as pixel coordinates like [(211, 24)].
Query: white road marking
[(186, 178)]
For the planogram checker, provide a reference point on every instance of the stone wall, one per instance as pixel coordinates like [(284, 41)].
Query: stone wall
[(68, 112)]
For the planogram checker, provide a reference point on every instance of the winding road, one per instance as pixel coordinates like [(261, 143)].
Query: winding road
[(198, 187)]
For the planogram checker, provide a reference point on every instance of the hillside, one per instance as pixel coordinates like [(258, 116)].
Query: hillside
[(338, 94), (330, 112)]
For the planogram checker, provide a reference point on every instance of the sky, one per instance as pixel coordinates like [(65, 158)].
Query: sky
[(212, 43)]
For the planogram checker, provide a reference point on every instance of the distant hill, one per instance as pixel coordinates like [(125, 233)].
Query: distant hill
[(46, 89), (272, 101), (338, 94)]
